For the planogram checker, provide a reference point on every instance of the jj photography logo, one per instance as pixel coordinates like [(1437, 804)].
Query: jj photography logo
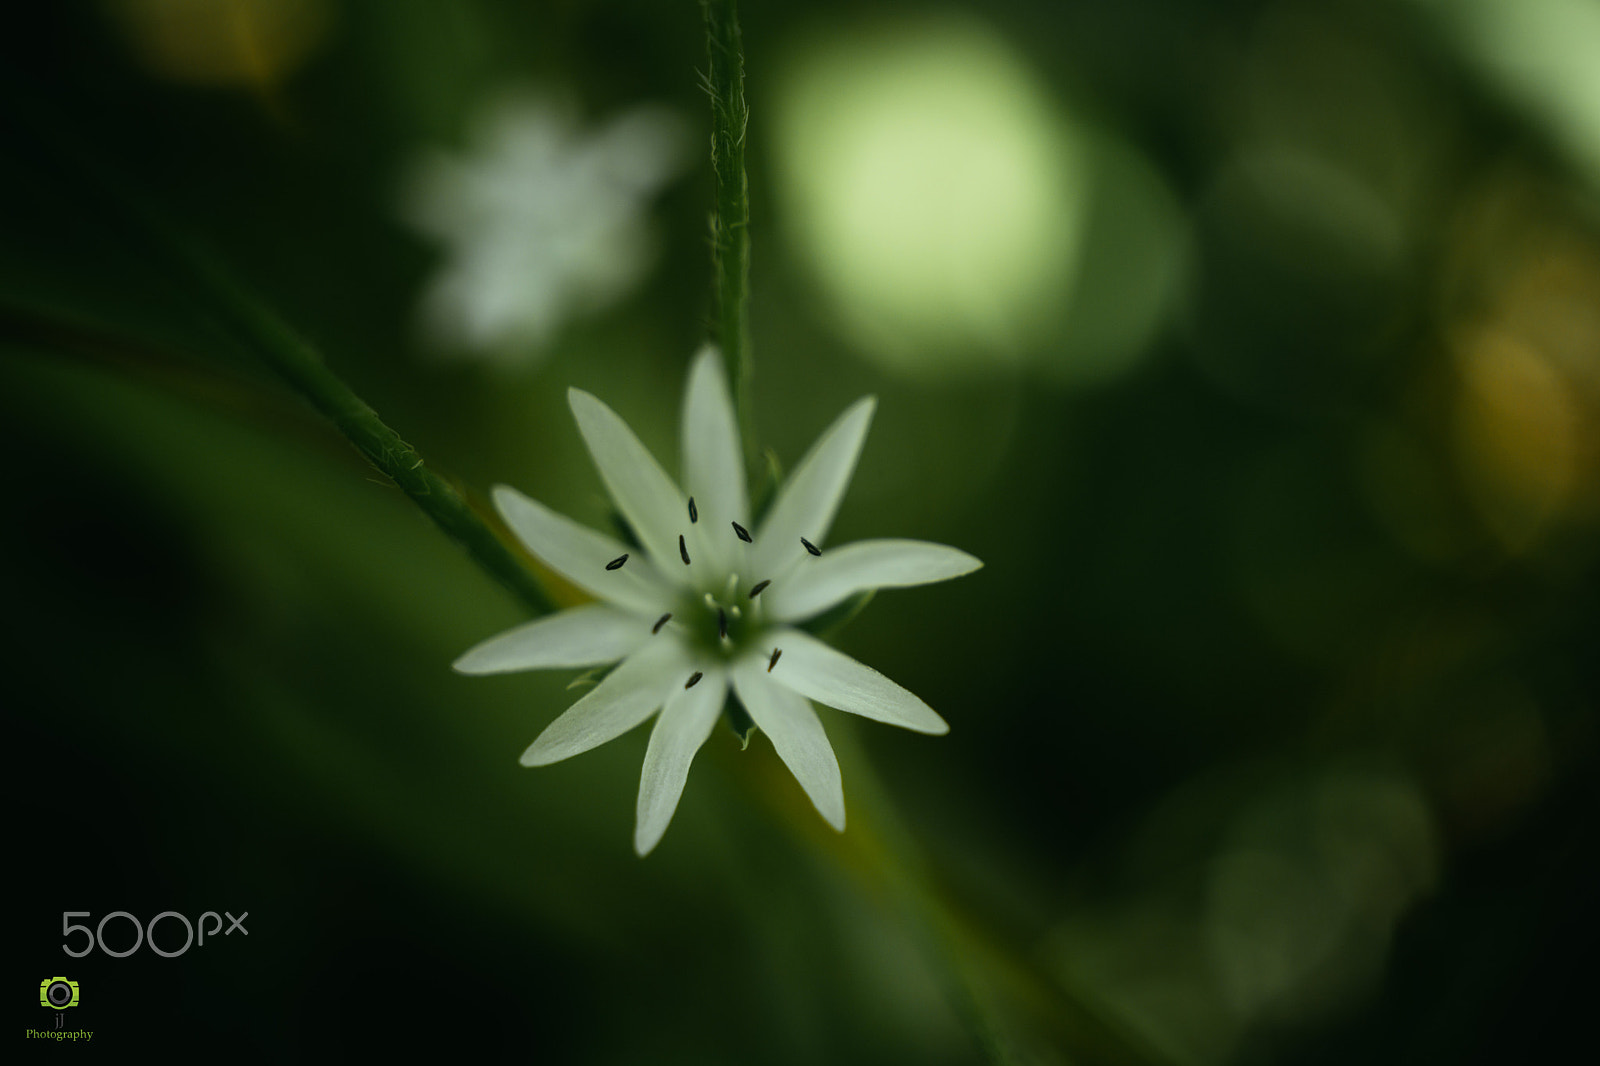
[(145, 935), (59, 994), (119, 934)]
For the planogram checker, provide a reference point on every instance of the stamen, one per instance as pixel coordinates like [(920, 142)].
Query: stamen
[(774, 660), (758, 587), (711, 601), (694, 679), (744, 534), (810, 547), (683, 550), (722, 623), (659, 623), (735, 612), (616, 564), (694, 515)]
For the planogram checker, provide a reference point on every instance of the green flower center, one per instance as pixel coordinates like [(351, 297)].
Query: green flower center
[(725, 622)]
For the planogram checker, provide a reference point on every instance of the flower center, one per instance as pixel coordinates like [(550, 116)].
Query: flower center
[(729, 616), (725, 621)]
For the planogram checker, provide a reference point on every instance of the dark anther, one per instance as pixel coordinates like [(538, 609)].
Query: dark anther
[(744, 534), (722, 623), (694, 679), (694, 515), (757, 590), (616, 564), (774, 660), (810, 547), (683, 550), (659, 623)]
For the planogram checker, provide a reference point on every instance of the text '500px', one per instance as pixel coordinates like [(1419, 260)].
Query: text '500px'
[(143, 934)]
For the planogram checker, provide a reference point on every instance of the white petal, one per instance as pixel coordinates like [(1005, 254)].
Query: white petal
[(817, 584), (796, 733), (643, 492), (624, 698), (583, 636), (818, 672), (580, 555), (684, 725), (810, 496), (713, 462)]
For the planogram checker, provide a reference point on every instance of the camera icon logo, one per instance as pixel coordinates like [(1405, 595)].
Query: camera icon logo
[(58, 992)]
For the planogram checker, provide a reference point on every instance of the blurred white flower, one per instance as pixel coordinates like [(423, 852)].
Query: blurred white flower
[(539, 220), (709, 606)]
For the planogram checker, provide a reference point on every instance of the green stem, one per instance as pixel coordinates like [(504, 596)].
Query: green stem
[(730, 221), (1003, 994), (298, 363), (999, 989)]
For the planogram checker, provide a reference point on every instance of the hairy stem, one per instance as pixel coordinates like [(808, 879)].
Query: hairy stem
[(301, 366), (297, 362), (730, 220)]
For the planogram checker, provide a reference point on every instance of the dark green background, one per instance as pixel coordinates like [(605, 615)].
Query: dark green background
[(228, 641)]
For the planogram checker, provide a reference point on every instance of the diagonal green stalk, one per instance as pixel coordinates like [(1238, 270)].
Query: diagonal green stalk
[(302, 367), (730, 221), (264, 333), (1008, 1001)]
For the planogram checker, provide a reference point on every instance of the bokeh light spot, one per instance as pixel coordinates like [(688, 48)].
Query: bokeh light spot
[(933, 189), (223, 42), (1516, 435), (1302, 905), (1541, 54)]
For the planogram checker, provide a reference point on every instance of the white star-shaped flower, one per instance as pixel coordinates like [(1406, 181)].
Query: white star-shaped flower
[(710, 605)]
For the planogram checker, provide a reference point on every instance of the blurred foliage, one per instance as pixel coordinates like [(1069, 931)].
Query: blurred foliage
[(1255, 347)]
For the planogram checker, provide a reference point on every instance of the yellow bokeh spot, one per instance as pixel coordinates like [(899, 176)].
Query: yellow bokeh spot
[(1517, 435), (933, 189), (252, 43), (1522, 307)]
